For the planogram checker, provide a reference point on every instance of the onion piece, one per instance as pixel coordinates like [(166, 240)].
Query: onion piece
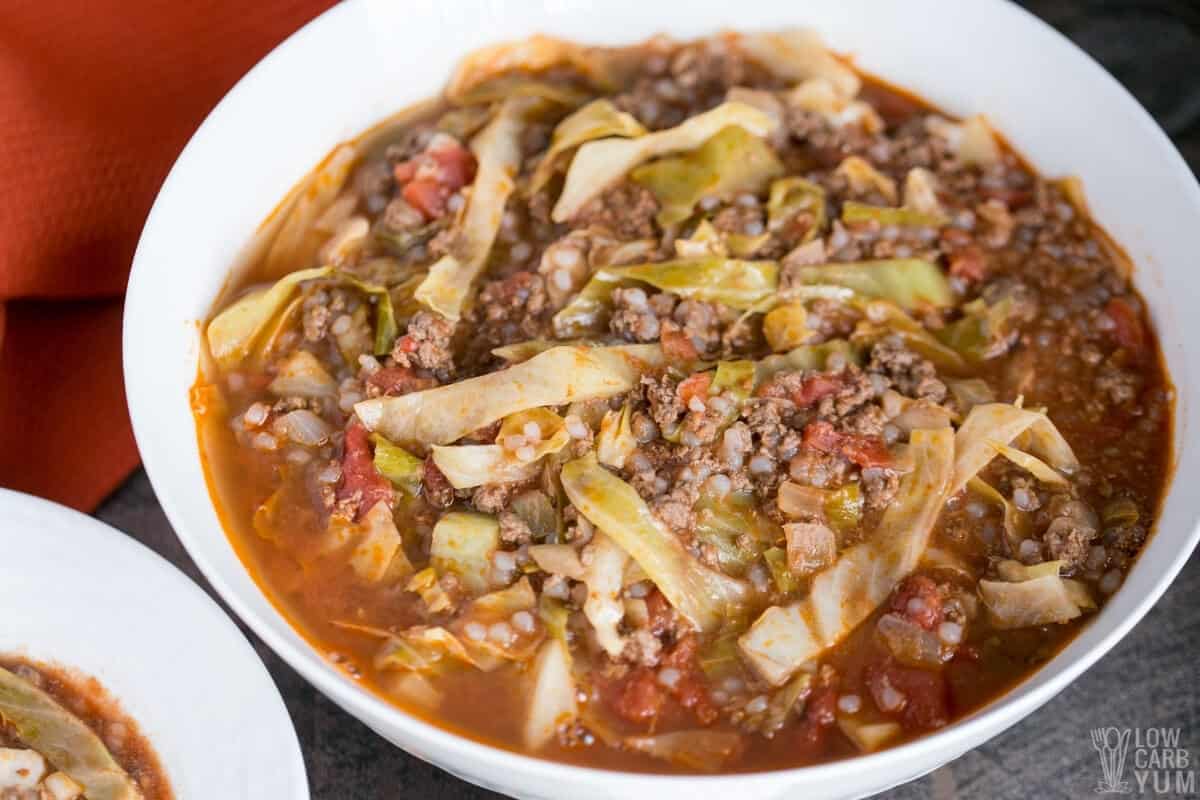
[(302, 427), (910, 643)]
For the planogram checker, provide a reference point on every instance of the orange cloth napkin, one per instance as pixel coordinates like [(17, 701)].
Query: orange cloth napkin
[(97, 97)]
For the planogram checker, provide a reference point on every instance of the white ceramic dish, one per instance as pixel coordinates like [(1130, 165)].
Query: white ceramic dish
[(364, 60), (79, 594)]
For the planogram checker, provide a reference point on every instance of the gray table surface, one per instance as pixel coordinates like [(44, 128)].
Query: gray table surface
[(1148, 680)]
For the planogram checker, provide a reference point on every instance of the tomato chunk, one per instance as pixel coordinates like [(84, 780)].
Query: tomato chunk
[(360, 480), (399, 380), (429, 179), (866, 451), (638, 697), (819, 715), (919, 697), (691, 690)]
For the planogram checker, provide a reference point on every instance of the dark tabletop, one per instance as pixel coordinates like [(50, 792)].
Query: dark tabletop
[(1148, 680)]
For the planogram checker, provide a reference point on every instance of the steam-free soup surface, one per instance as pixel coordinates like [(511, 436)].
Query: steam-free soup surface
[(685, 407)]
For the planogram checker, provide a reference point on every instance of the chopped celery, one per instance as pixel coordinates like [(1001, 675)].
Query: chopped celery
[(855, 213), (777, 563), (463, 543), (396, 464), (844, 507)]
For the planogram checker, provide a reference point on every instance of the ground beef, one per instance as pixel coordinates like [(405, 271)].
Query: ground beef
[(513, 529), (1073, 526), (427, 345), (436, 489), (626, 210), (515, 308), (660, 394), (880, 486), (764, 417), (492, 498), (908, 372), (675, 508)]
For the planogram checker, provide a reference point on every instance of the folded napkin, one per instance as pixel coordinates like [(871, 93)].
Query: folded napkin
[(97, 98)]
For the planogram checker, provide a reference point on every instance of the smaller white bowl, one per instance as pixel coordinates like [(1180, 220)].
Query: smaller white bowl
[(80, 595)]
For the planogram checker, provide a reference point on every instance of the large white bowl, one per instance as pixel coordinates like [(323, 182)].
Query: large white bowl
[(76, 593), (362, 61)]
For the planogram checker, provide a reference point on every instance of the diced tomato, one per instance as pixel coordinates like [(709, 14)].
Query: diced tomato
[(969, 263), (1128, 331), (359, 477), (924, 695), (816, 388), (927, 610), (427, 196), (429, 179), (456, 165), (866, 451), (695, 386), (691, 690), (638, 697), (399, 380), (677, 345)]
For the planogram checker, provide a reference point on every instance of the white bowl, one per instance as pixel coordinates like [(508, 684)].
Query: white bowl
[(362, 61), (79, 594)]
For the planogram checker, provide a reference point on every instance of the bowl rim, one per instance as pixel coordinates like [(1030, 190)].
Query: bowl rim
[(999, 714)]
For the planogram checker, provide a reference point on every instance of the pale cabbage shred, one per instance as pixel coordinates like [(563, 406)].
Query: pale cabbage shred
[(842, 596), (64, 740), (599, 164), (497, 149), (558, 376)]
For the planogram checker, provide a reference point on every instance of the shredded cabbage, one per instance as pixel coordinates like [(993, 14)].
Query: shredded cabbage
[(599, 164), (558, 376), (972, 140), (233, 333), (379, 552), (298, 238), (798, 54), (615, 442), (605, 566), (713, 279), (908, 282), (841, 597), (820, 96), (63, 739), (469, 465), (497, 148), (1031, 464), (552, 697), (704, 596), (599, 119), (792, 196), (732, 162), (1002, 422), (1023, 604)]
